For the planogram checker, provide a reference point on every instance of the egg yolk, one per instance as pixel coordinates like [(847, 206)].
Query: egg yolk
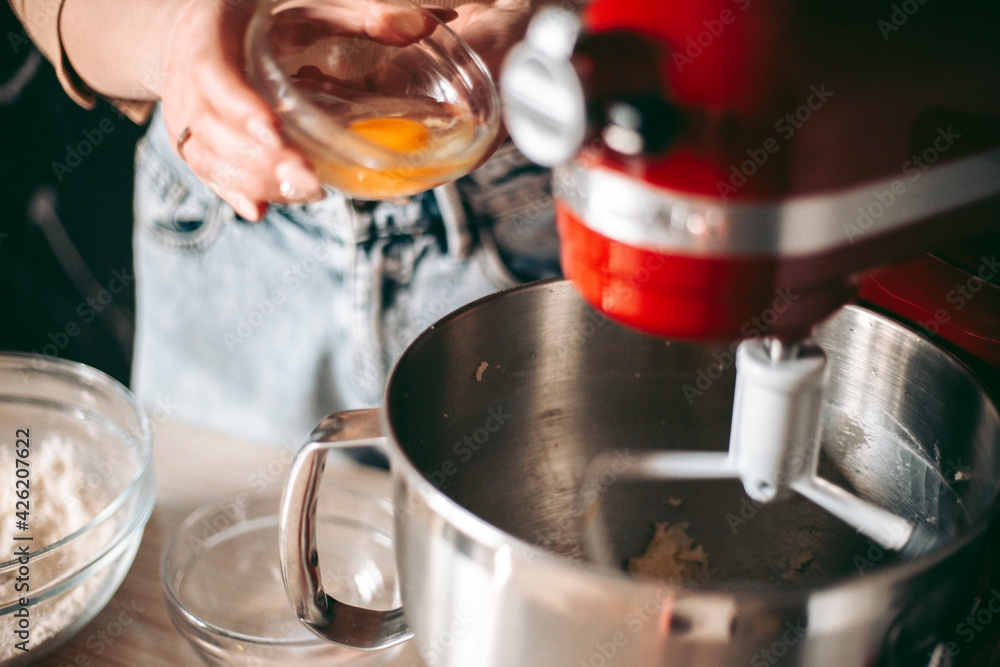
[(396, 134)]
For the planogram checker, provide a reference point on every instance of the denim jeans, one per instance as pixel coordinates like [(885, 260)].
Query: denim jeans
[(261, 329)]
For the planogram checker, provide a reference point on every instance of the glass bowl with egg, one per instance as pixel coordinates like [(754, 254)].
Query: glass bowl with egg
[(382, 97)]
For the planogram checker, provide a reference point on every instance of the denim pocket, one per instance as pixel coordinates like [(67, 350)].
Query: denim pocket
[(173, 208)]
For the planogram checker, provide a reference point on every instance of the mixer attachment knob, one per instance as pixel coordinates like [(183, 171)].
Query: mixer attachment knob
[(560, 89), (543, 99)]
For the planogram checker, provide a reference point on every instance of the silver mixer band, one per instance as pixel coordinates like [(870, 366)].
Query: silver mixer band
[(635, 213)]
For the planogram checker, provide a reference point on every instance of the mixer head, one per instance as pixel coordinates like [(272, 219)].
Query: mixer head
[(725, 169)]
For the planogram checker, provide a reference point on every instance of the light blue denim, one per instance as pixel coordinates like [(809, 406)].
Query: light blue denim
[(261, 329)]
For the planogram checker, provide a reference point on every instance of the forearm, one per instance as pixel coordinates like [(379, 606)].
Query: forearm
[(116, 47)]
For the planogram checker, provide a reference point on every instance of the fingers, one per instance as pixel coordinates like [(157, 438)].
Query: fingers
[(234, 146), (297, 28), (227, 93), (248, 170), (294, 30), (259, 167), (397, 26), (491, 29), (442, 14)]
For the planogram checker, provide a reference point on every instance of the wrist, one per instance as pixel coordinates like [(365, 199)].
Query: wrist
[(233, 16), (172, 15)]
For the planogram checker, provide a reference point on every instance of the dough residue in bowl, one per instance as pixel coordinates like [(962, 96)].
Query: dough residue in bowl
[(671, 554)]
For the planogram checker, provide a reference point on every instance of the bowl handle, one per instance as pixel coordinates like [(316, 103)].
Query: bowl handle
[(342, 623)]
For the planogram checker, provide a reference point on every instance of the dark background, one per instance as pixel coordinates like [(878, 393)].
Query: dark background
[(66, 217), (65, 230)]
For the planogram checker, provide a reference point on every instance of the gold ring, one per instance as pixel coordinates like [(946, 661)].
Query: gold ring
[(181, 140)]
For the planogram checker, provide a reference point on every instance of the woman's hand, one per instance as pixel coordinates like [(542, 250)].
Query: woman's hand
[(492, 29), (221, 127), (228, 133), (189, 54)]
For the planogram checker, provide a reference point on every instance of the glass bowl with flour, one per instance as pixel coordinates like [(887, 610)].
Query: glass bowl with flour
[(76, 490)]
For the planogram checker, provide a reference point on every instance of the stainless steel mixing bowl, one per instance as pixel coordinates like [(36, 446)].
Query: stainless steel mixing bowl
[(493, 413)]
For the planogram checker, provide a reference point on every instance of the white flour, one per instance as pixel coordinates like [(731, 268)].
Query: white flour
[(61, 501)]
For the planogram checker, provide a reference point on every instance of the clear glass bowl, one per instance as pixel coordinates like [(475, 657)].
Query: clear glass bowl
[(90, 491), (378, 120), (224, 589)]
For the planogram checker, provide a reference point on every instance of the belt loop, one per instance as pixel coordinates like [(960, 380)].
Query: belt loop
[(359, 217), (458, 238)]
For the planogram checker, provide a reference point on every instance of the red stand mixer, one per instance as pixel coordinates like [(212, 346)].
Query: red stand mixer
[(731, 170), (719, 159), (726, 174)]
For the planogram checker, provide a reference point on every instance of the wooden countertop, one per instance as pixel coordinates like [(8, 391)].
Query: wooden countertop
[(193, 467)]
